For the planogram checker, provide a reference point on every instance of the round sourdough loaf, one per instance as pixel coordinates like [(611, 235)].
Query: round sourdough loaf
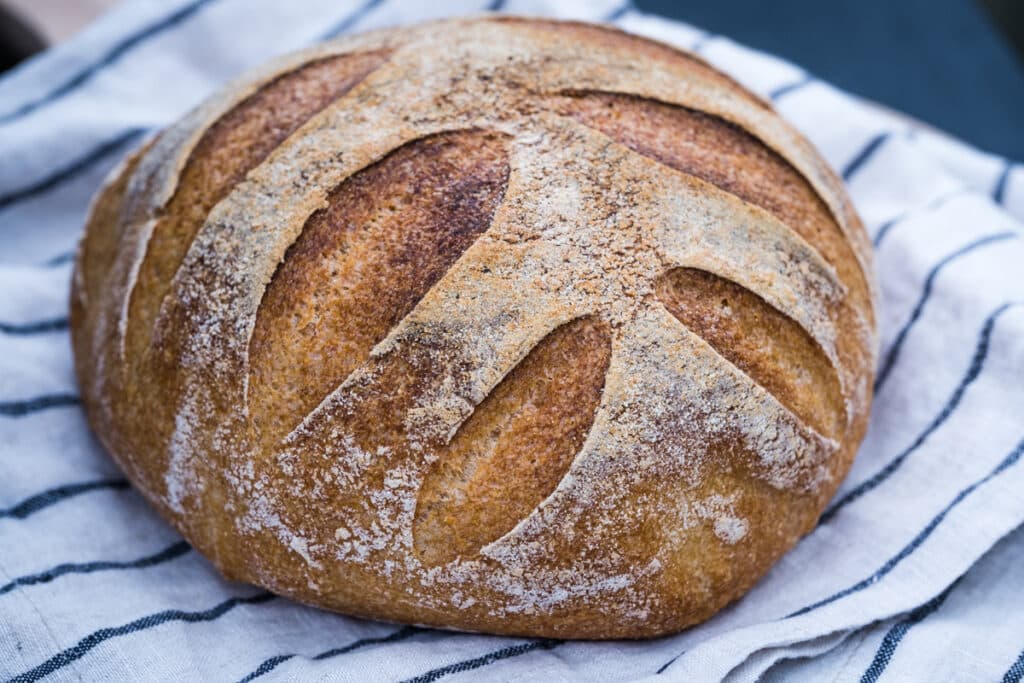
[(494, 324)]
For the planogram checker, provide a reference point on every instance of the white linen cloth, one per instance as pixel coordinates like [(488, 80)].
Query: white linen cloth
[(914, 574)]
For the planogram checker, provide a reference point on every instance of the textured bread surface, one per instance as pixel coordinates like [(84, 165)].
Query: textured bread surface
[(493, 324)]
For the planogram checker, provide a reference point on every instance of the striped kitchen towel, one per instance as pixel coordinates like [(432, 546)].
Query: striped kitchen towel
[(913, 573)]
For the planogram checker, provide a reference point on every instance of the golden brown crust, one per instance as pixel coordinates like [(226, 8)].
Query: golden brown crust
[(775, 351), (511, 333), (515, 447), (363, 263), (229, 149)]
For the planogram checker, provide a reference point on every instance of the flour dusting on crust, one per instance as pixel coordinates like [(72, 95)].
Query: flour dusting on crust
[(682, 440)]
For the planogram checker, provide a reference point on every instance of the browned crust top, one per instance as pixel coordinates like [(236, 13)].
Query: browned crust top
[(545, 329)]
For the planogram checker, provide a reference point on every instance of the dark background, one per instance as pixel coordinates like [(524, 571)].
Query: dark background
[(956, 64)]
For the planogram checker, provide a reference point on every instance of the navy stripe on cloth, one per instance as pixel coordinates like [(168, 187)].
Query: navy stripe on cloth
[(351, 19), (112, 55), (82, 647), (171, 552), (619, 12), (1016, 670), (999, 192), (485, 660), (60, 259), (84, 162), (40, 501), (884, 229), (782, 91), (973, 370), (271, 663), (897, 345), (37, 327), (894, 635), (920, 538), (864, 155), (669, 663), (34, 405)]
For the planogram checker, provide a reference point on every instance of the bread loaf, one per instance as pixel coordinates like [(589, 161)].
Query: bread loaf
[(493, 324)]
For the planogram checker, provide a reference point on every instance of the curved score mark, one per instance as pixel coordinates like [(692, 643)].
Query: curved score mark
[(388, 234), (516, 447), (234, 145), (775, 351), (723, 154), (102, 236)]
